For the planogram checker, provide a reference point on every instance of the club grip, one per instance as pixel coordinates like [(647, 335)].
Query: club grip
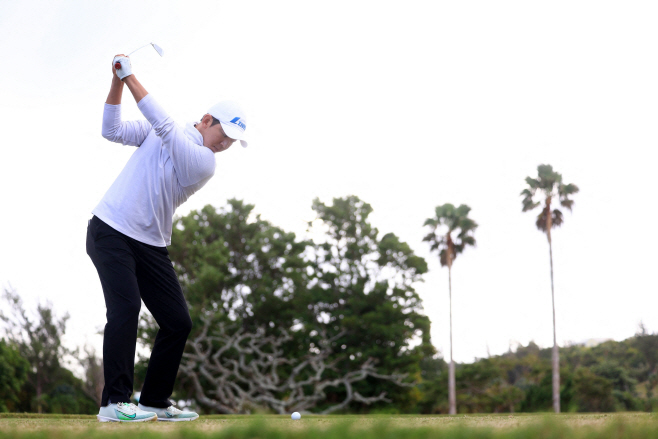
[(117, 65)]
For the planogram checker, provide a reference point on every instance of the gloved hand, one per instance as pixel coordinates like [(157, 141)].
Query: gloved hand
[(126, 67)]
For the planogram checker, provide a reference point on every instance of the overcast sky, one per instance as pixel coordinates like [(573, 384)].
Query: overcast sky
[(407, 105)]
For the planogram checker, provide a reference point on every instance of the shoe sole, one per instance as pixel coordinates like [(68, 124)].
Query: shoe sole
[(106, 419), (178, 419)]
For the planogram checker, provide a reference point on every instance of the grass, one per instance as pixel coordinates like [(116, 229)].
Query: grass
[(577, 426)]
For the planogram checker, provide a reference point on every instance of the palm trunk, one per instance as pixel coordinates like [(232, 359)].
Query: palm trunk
[(556, 353), (451, 369)]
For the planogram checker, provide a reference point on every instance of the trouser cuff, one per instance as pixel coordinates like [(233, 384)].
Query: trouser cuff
[(155, 403)]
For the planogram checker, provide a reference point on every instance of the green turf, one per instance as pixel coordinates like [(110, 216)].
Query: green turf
[(578, 426)]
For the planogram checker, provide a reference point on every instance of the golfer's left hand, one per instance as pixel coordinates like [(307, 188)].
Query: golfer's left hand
[(126, 67), (114, 70)]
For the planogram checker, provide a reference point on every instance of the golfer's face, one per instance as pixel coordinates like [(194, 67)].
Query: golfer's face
[(217, 140)]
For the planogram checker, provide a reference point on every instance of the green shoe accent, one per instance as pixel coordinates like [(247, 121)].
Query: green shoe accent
[(125, 416)]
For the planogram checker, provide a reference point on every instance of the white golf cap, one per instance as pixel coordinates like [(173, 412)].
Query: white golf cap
[(232, 118)]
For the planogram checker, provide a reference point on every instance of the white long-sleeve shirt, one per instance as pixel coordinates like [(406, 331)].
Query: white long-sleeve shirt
[(170, 164)]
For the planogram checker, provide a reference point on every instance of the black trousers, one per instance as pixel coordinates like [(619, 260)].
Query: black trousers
[(131, 271)]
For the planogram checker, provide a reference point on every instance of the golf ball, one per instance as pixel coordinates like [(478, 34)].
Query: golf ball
[(295, 416)]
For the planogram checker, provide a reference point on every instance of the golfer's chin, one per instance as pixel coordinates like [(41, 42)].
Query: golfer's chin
[(214, 149)]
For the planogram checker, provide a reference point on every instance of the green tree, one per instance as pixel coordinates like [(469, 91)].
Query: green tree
[(66, 395), (503, 396), (548, 188), (451, 231), (432, 386), (13, 373), (38, 340), (364, 284), (647, 346), (232, 259), (593, 393)]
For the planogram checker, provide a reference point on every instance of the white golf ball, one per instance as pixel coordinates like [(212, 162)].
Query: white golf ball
[(296, 416)]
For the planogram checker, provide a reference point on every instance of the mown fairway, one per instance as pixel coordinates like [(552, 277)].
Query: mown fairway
[(627, 425)]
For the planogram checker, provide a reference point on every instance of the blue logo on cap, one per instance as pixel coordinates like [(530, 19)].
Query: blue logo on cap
[(239, 123)]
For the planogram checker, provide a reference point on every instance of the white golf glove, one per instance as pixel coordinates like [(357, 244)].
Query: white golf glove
[(126, 67)]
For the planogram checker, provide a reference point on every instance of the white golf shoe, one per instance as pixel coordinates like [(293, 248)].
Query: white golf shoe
[(171, 413), (125, 412)]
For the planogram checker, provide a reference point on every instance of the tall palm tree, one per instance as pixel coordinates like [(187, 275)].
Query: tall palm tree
[(452, 221), (549, 189)]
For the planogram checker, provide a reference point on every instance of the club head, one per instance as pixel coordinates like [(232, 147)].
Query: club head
[(158, 49)]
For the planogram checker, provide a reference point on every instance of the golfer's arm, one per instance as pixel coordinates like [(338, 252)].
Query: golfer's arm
[(129, 133), (116, 90), (138, 91)]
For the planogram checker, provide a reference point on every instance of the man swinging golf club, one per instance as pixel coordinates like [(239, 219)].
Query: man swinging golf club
[(128, 235)]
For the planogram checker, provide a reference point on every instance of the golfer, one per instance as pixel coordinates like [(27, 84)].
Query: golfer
[(128, 235)]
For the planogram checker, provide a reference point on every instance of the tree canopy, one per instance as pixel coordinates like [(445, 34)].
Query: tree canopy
[(451, 231), (546, 188)]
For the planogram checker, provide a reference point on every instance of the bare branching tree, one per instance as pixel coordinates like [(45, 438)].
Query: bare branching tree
[(234, 372)]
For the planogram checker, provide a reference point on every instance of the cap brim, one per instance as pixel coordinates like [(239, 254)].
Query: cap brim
[(234, 133)]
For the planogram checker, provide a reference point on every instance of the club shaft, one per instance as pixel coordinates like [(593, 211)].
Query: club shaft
[(145, 45)]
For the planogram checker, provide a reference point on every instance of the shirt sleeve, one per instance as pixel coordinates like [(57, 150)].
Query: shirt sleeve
[(193, 163), (129, 133)]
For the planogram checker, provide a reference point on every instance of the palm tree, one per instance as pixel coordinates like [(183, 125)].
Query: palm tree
[(456, 221), (549, 188)]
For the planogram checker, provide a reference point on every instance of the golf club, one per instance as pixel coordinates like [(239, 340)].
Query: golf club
[(157, 48)]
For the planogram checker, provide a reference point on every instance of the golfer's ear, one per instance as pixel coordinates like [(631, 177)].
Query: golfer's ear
[(206, 120)]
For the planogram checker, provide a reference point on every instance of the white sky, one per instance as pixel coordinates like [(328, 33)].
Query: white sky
[(406, 104)]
